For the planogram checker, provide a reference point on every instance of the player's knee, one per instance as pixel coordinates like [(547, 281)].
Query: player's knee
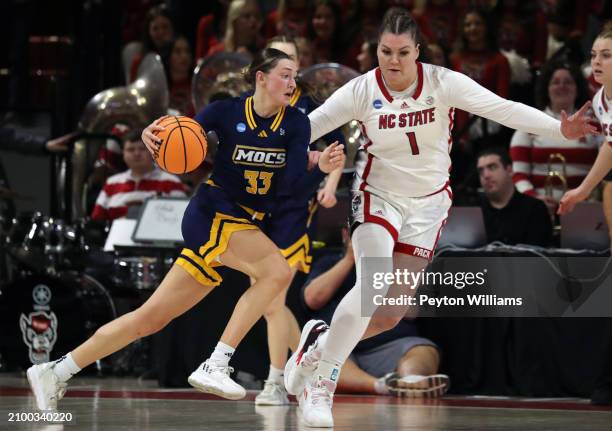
[(385, 323), (280, 275), (148, 324)]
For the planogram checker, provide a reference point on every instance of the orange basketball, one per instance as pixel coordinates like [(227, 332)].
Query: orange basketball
[(183, 145)]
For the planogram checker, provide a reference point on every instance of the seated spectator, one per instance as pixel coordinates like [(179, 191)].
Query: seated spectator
[(289, 19), (509, 216), (437, 20), (157, 33), (178, 63), (561, 87), (367, 58), (397, 362), (324, 31), (437, 55), (242, 29), (306, 53), (142, 180), (477, 56), (211, 29)]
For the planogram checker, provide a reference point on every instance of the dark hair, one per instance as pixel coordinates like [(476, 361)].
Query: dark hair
[(547, 72), (496, 150), (337, 38), (134, 135), (154, 12), (264, 61), (372, 48), (166, 56), (490, 29), (398, 20)]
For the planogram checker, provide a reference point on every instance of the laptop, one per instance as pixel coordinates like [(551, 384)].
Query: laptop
[(464, 228), (585, 228)]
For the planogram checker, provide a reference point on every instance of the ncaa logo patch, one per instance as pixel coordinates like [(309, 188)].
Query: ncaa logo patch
[(377, 104), (240, 127)]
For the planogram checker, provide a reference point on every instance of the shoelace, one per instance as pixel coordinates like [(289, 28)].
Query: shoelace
[(211, 368), (321, 394), (311, 357), (270, 386)]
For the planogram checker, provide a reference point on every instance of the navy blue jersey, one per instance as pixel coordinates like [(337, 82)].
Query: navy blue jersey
[(259, 160)]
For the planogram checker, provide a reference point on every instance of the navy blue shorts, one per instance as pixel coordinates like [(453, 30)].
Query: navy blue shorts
[(291, 227), (208, 223)]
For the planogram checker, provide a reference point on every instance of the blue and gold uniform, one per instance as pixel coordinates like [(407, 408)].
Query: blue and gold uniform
[(259, 162), (291, 226)]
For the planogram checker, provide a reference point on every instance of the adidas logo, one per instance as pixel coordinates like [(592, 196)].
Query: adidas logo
[(263, 134), (404, 106)]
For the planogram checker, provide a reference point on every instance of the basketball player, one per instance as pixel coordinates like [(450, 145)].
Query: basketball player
[(601, 63), (401, 194), (290, 227), (258, 137)]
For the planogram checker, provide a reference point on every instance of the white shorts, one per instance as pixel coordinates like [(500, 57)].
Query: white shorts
[(414, 223)]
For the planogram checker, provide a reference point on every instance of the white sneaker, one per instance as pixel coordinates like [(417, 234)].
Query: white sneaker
[(304, 360), (215, 379), (45, 385), (273, 394), (416, 386), (316, 403)]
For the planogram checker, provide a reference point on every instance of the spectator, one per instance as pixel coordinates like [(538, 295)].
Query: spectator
[(324, 32), (289, 19), (437, 54), (395, 362), (306, 52), (367, 58), (178, 63), (438, 22), (26, 143), (509, 216), (211, 29), (157, 33), (561, 87), (142, 180), (242, 29), (478, 57)]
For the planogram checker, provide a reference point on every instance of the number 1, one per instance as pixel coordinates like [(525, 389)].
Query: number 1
[(413, 143)]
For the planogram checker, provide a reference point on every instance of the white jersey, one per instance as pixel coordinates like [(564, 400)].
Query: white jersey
[(603, 112), (408, 135)]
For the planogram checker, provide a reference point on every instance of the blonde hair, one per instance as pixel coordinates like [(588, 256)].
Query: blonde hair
[(606, 31), (233, 13)]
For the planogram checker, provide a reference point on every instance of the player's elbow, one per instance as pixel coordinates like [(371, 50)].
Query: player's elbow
[(314, 298)]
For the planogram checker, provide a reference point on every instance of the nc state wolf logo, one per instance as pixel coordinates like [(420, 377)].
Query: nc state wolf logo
[(39, 330)]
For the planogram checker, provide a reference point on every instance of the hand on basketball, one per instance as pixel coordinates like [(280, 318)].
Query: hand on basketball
[(578, 124), (570, 199), (332, 158), (326, 198), (149, 137)]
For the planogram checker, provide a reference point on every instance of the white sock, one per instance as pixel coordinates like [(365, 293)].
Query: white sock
[(380, 387), (276, 375), (65, 368), (348, 325), (222, 354)]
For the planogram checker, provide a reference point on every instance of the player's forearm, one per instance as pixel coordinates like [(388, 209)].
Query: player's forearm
[(600, 169), (320, 290), (333, 179)]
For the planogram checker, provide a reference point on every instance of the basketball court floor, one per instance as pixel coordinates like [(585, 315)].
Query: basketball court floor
[(132, 404)]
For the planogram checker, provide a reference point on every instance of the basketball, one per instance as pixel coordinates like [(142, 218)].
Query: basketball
[(183, 145)]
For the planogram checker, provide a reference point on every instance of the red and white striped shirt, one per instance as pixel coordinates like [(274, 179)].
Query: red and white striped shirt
[(122, 190), (530, 155)]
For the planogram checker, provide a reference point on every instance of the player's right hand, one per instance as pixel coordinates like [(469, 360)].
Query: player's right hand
[(332, 158), (149, 136)]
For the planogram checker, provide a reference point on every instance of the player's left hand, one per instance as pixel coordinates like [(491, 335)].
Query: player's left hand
[(332, 158), (327, 198), (578, 124)]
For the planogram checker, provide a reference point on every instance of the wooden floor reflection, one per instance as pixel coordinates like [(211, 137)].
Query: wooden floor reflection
[(130, 404)]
